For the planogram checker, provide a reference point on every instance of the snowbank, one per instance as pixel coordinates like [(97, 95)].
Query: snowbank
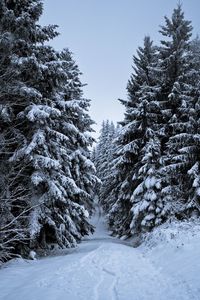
[(174, 248)]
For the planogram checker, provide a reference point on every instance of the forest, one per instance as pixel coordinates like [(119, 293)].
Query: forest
[(144, 171)]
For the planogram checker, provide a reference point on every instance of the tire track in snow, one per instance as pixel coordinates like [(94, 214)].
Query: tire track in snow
[(105, 288), (106, 279), (115, 281)]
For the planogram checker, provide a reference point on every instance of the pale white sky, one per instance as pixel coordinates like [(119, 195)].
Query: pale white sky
[(103, 35)]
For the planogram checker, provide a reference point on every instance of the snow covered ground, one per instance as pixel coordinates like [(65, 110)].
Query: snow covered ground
[(104, 268)]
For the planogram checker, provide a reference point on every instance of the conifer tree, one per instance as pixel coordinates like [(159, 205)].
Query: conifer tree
[(176, 106), (187, 142), (101, 150), (138, 188), (47, 179), (19, 34), (107, 179), (103, 154), (191, 146)]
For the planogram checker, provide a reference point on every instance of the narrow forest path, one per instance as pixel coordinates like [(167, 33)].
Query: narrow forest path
[(101, 268)]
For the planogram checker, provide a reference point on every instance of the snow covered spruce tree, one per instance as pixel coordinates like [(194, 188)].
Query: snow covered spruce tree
[(177, 98), (44, 143), (186, 158), (192, 141), (65, 168), (108, 182), (18, 34), (137, 205), (103, 159), (103, 148)]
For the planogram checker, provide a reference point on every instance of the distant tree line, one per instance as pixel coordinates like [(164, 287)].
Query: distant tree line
[(150, 167)]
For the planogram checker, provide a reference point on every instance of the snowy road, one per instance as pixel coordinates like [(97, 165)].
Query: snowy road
[(101, 268)]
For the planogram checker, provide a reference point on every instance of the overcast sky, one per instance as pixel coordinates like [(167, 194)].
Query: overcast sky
[(103, 35)]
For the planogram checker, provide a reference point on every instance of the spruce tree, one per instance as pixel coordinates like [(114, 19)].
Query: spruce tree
[(109, 181), (176, 107), (106, 148), (191, 146), (19, 34), (49, 176), (101, 150), (103, 155), (187, 142), (138, 187)]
